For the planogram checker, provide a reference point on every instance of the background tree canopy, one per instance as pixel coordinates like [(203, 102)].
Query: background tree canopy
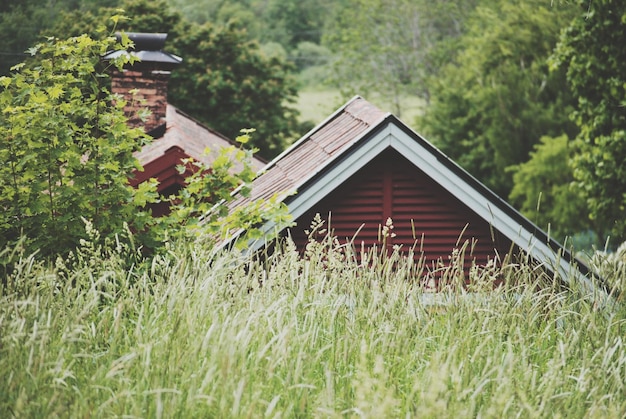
[(396, 43), (21, 24), (592, 52), (543, 191), (494, 102), (498, 85)]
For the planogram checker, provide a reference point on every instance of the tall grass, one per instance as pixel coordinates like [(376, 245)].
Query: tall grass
[(194, 335)]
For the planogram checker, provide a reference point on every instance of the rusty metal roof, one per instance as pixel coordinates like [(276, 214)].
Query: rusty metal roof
[(309, 155), (192, 137)]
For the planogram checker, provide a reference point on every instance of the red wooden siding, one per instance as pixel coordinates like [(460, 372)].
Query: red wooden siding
[(164, 169), (390, 186)]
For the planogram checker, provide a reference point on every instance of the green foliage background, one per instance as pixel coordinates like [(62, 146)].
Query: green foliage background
[(591, 52), (493, 78), (224, 81), (542, 188), (494, 102)]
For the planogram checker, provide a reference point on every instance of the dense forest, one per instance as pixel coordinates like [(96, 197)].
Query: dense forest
[(528, 96)]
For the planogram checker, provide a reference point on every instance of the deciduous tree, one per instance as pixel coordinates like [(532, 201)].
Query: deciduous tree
[(592, 52), (385, 49), (543, 189), (67, 154), (498, 98)]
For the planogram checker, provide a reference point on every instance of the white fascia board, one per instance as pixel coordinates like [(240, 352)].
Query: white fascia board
[(429, 164), (306, 199)]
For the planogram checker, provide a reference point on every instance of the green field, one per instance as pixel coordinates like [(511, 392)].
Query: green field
[(192, 335), (317, 104)]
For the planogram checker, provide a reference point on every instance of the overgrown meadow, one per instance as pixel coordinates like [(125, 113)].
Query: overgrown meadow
[(193, 333)]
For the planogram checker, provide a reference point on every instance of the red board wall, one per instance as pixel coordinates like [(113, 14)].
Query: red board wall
[(424, 214), (165, 170)]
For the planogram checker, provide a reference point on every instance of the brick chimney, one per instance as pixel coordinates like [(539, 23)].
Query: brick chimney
[(149, 77)]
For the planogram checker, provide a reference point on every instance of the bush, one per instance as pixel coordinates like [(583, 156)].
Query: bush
[(66, 147)]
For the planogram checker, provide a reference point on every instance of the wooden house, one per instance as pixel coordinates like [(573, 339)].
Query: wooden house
[(177, 136), (363, 167)]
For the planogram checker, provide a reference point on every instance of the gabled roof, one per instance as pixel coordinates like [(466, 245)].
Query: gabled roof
[(355, 134), (183, 137), (190, 138), (314, 151)]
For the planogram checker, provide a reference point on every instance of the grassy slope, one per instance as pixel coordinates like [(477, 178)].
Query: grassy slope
[(190, 336)]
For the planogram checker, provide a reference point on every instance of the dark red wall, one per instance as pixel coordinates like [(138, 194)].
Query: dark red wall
[(424, 214), (164, 169)]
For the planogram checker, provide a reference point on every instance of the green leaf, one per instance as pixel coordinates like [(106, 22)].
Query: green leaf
[(18, 67), (54, 92), (33, 50)]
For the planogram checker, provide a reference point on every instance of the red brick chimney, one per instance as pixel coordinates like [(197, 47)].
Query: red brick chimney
[(148, 77)]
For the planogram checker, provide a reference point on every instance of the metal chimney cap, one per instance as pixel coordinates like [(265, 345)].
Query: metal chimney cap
[(149, 49), (146, 41)]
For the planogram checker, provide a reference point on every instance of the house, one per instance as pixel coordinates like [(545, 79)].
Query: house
[(177, 136), (363, 166)]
